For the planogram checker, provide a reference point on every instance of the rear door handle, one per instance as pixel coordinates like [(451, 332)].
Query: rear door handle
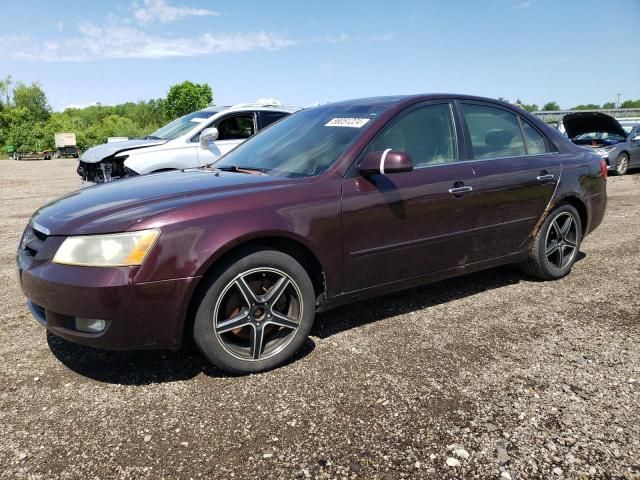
[(545, 178), (459, 190)]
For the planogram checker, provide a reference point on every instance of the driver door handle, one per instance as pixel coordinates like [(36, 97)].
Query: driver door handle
[(545, 178), (462, 189)]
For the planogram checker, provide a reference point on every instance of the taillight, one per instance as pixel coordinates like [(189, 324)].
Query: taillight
[(603, 168)]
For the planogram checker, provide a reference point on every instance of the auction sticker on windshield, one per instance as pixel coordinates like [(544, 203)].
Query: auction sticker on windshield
[(347, 122)]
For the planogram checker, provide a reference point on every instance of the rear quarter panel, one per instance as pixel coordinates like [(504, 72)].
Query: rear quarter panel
[(583, 179)]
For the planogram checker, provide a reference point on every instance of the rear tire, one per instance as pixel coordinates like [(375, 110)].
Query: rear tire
[(256, 312), (556, 246), (622, 164)]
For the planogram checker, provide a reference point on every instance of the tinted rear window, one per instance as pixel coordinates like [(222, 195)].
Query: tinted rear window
[(495, 133), (267, 118)]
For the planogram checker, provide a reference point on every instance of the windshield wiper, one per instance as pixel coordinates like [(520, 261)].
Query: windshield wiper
[(153, 137), (240, 169)]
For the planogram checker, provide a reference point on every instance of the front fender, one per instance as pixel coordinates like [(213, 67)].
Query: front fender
[(170, 159), (193, 238)]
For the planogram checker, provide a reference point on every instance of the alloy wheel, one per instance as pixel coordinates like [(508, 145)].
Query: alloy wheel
[(561, 243), (622, 165), (258, 313)]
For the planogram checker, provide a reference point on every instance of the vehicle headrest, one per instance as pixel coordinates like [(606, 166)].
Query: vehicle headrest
[(498, 138)]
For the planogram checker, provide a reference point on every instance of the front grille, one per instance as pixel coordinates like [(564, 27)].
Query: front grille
[(32, 241)]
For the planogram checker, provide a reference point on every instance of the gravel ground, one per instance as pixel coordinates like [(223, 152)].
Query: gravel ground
[(491, 375)]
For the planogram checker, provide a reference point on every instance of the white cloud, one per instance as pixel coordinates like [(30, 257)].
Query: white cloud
[(112, 41), (160, 11), (343, 37), (120, 38), (525, 4), (383, 37), (81, 105)]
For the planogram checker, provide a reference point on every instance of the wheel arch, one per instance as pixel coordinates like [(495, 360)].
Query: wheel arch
[(577, 203), (293, 247)]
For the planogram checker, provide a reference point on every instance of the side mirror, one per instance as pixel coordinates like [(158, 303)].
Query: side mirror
[(208, 135), (385, 162), (636, 138)]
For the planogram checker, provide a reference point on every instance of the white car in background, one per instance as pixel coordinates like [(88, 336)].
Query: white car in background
[(194, 140)]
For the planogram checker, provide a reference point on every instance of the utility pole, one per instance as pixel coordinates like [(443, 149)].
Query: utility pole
[(618, 100)]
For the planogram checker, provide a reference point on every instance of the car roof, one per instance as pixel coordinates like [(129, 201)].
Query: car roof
[(397, 100), (242, 107)]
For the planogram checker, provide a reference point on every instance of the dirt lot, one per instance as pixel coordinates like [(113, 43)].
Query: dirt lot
[(492, 375)]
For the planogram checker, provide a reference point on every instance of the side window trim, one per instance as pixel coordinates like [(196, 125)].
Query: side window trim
[(353, 170), (465, 149), (524, 138)]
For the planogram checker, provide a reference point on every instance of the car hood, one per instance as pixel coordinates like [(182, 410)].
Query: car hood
[(100, 152), (586, 122), (119, 205)]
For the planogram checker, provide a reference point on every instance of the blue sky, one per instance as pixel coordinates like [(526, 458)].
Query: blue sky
[(302, 52)]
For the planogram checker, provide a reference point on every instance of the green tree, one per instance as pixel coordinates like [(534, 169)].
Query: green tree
[(32, 98), (609, 105), (529, 108), (187, 97), (22, 131), (588, 106), (630, 104), (551, 107), (5, 91), (27, 122)]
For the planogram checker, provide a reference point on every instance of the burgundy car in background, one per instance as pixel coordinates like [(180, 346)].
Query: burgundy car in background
[(330, 205)]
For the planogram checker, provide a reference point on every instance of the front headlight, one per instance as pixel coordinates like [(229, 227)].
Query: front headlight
[(605, 150), (113, 250)]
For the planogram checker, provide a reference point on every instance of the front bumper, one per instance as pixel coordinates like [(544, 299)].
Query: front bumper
[(611, 164), (137, 315)]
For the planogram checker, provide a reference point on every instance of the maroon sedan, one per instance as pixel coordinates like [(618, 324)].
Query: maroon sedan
[(333, 204)]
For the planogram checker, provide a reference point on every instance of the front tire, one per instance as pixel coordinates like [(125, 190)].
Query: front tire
[(255, 313), (622, 164), (556, 246)]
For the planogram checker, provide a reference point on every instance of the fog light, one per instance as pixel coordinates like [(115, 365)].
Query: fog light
[(90, 325)]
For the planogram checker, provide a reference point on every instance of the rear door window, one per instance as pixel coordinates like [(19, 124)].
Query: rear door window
[(495, 133), (535, 141)]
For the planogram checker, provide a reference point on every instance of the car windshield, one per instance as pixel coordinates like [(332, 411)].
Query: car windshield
[(304, 144), (181, 126), (600, 136)]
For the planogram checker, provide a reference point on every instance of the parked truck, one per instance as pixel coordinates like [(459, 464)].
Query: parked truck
[(66, 145)]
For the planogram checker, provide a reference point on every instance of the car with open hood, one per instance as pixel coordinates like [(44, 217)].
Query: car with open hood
[(606, 136), (330, 205), (193, 140)]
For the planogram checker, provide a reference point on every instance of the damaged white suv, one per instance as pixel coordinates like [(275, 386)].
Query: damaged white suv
[(194, 140)]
